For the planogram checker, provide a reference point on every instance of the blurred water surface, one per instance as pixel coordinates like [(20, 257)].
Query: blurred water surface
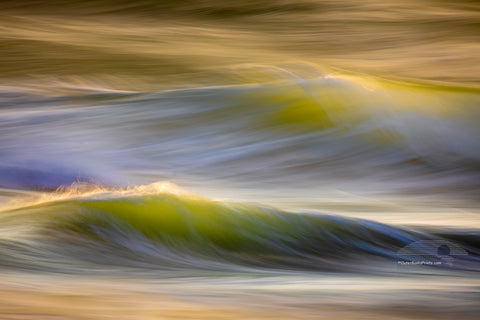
[(255, 159)]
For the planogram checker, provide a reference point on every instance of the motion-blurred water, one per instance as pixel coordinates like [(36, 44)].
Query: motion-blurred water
[(214, 159)]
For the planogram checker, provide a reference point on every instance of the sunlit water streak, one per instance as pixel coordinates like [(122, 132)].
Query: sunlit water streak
[(220, 159)]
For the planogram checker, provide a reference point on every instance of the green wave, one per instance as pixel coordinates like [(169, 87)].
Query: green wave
[(140, 227), (213, 228)]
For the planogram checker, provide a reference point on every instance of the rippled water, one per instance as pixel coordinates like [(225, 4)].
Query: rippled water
[(214, 159)]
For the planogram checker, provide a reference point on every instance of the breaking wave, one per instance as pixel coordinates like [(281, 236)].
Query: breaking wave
[(161, 227)]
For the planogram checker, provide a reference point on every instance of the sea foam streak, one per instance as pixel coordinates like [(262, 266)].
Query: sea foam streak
[(317, 159)]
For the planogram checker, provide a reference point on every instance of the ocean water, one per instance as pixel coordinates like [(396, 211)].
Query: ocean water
[(223, 160)]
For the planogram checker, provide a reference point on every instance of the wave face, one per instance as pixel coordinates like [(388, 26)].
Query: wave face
[(145, 227), (331, 132), (358, 146), (329, 148)]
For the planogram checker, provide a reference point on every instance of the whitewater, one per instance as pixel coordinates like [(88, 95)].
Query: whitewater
[(220, 160)]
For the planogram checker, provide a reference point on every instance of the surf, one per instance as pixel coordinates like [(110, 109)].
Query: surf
[(158, 226)]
